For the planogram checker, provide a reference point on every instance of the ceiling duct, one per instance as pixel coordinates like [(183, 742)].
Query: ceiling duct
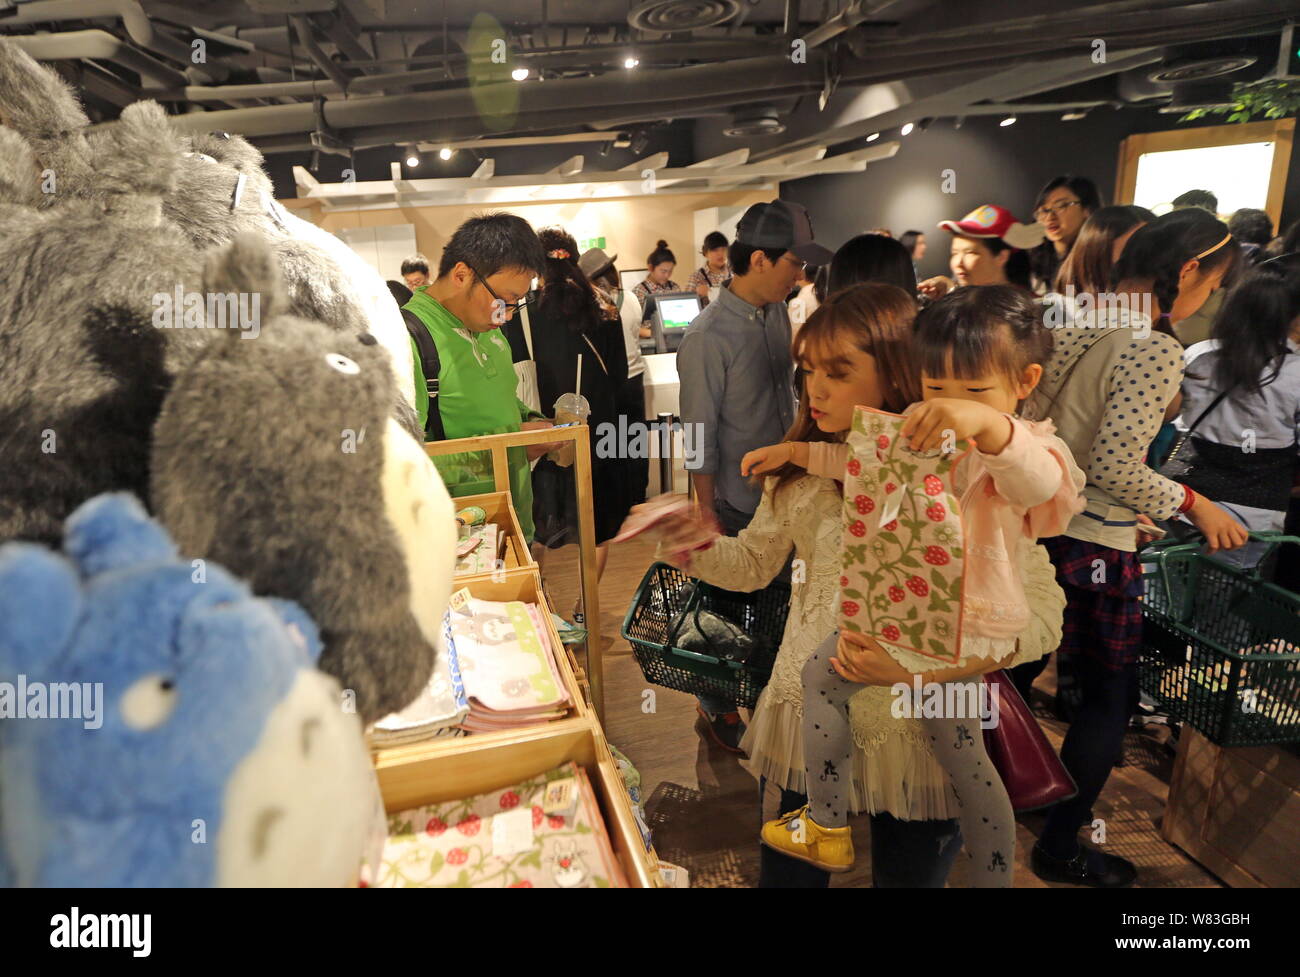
[(669, 16), (1198, 69), (761, 120)]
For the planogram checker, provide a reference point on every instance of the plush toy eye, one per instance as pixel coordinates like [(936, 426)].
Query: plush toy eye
[(342, 363), (149, 701)]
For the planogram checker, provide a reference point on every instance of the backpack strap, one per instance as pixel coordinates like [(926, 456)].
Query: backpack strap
[(430, 366)]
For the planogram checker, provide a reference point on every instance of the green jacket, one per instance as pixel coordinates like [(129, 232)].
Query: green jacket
[(476, 396)]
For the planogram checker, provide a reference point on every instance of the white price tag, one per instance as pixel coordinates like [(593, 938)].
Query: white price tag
[(512, 832)]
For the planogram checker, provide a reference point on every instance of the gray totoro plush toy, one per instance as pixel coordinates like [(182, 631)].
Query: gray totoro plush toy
[(84, 369), (276, 455), (217, 188)]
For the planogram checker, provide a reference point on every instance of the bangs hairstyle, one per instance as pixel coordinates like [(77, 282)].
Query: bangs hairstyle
[(873, 318), (982, 329)]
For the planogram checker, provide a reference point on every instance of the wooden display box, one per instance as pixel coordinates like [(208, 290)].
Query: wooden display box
[(420, 774), (1237, 811), (502, 514)]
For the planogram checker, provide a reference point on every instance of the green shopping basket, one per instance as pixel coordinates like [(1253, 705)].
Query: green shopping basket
[(1221, 646), (665, 595)]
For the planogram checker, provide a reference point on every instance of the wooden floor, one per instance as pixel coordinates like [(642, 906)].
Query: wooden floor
[(703, 806)]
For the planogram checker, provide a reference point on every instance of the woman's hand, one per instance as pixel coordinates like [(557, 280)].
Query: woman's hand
[(760, 461), (936, 421), (1221, 531), (535, 451), (859, 658), (936, 287)]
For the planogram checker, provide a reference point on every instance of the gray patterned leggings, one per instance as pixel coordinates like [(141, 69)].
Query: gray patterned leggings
[(987, 822)]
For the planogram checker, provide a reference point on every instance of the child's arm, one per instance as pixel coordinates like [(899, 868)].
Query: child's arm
[(827, 458), (760, 461), (1038, 473)]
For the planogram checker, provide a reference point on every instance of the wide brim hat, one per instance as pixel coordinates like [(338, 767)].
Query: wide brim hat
[(594, 261)]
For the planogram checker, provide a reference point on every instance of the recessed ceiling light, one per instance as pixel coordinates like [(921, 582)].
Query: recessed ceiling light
[(873, 137), (519, 74), (1010, 120), (412, 159), (630, 63), (907, 129), (444, 153)]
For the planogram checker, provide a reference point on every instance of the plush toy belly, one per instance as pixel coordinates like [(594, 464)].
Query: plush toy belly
[(298, 810), (421, 514)]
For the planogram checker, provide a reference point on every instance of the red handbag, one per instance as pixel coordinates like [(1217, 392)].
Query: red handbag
[(1033, 774)]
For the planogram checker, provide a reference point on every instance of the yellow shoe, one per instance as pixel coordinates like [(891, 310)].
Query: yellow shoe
[(799, 836)]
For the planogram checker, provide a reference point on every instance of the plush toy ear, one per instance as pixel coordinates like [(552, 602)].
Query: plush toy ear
[(113, 530), (301, 626), (40, 603), (246, 265), (136, 159), (42, 108), (20, 177)]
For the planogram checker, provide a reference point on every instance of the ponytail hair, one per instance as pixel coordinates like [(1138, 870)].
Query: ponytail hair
[(1254, 324), (659, 255), (567, 293), (1157, 252)]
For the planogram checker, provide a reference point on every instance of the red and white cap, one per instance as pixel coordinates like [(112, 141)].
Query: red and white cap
[(990, 220)]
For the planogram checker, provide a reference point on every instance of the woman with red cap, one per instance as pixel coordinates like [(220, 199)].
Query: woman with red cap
[(988, 248)]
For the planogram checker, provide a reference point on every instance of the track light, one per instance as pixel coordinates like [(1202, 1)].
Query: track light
[(873, 137), (907, 129), (444, 153), (1073, 116), (630, 63), (1010, 120), (519, 74)]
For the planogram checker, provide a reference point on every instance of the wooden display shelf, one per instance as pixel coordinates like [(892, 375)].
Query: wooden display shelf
[(420, 774), (502, 514)]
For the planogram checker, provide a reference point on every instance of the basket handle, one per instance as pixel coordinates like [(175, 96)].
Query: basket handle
[(1274, 539)]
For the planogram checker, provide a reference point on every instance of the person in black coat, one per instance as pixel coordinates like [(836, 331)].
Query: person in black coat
[(566, 325)]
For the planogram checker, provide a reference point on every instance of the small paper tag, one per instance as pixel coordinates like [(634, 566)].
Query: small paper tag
[(459, 599), (512, 832), (560, 796), (889, 511)]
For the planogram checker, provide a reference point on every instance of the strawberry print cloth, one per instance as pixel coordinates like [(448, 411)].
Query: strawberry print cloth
[(902, 559), (457, 845)]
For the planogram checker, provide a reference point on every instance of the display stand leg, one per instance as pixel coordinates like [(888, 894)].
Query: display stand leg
[(590, 581), (665, 452)]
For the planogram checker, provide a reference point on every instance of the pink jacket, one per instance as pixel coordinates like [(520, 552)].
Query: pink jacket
[(1030, 490)]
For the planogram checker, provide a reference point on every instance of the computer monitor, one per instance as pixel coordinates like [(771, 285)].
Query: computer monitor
[(673, 312)]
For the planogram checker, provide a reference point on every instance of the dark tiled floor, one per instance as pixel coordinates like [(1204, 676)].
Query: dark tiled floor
[(704, 807)]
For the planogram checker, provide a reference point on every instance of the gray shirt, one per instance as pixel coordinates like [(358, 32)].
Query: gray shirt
[(737, 390), (1271, 415)]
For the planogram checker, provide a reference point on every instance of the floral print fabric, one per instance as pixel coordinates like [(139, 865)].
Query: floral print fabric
[(902, 557)]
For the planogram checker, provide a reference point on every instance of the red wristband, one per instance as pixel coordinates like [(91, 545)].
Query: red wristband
[(1189, 499)]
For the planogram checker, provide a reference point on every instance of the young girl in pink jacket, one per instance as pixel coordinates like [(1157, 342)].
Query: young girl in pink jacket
[(981, 351)]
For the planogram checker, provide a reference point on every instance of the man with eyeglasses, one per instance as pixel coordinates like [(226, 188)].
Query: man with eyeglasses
[(455, 322), (737, 381)]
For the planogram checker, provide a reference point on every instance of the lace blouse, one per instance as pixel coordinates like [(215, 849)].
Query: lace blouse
[(894, 770)]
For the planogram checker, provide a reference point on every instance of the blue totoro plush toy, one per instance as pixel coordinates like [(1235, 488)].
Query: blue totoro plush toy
[(197, 744)]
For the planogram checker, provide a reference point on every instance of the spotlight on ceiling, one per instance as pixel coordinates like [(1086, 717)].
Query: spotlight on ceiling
[(445, 152), (519, 74), (412, 158), (873, 137), (1073, 116), (630, 63), (640, 142), (907, 129), (1010, 120), (925, 123)]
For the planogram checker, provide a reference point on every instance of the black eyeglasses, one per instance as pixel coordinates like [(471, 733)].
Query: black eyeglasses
[(510, 308)]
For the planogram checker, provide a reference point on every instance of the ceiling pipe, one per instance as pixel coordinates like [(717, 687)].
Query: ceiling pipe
[(302, 27), (343, 31), (137, 23), (100, 46)]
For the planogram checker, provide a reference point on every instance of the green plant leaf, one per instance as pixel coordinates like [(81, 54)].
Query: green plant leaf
[(850, 592), (937, 647), (937, 579), (908, 561), (911, 613)]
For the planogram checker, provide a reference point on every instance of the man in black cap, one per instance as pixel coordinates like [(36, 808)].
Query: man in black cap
[(737, 390)]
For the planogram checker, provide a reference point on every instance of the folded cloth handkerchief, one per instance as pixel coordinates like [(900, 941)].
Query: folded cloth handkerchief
[(544, 833), (505, 660), (439, 708)]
